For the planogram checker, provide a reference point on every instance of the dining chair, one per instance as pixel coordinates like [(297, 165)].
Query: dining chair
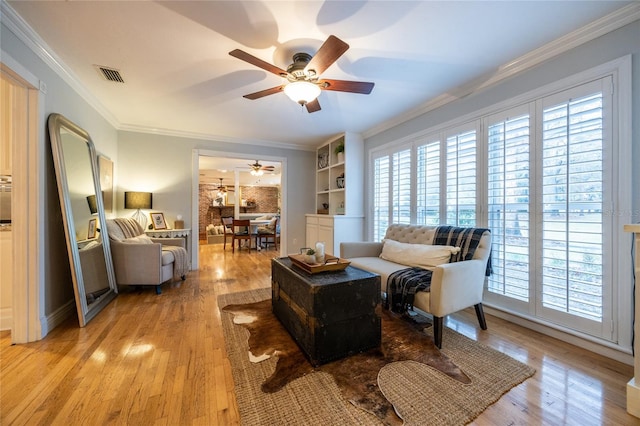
[(227, 222), (268, 231), (241, 231)]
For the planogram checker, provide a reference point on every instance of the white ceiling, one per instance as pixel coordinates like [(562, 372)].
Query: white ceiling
[(179, 76), (230, 170)]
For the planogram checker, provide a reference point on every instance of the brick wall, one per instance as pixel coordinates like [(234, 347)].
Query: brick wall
[(266, 198)]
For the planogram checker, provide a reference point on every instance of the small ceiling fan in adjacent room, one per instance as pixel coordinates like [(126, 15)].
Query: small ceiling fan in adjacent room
[(304, 84), (258, 169)]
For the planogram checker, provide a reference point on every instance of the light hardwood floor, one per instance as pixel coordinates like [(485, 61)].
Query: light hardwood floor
[(149, 359)]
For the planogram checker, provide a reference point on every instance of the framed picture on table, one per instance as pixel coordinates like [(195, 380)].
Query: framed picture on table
[(157, 219), (93, 226)]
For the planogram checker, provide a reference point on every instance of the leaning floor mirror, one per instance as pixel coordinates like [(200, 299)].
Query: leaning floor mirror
[(81, 201)]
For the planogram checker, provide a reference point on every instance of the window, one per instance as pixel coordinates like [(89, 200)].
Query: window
[(542, 176), (428, 171), (381, 208), (401, 186), (509, 205), (461, 179), (574, 146)]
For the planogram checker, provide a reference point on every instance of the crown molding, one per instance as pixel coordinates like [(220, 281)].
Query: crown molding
[(595, 29), (25, 33), (591, 31), (213, 138)]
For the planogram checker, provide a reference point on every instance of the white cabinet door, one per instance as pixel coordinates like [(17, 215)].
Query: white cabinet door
[(325, 234), (333, 230), (312, 233)]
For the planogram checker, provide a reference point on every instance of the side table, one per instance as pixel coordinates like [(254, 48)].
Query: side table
[(173, 233)]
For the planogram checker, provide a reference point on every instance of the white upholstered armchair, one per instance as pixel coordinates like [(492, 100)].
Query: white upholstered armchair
[(140, 260), (453, 286)]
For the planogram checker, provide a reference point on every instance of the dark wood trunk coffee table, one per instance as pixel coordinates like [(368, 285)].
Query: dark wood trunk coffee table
[(329, 314)]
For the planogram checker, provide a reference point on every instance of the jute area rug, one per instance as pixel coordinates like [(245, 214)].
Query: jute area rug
[(417, 394)]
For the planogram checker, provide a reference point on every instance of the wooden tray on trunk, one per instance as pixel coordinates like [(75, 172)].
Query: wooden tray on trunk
[(331, 263)]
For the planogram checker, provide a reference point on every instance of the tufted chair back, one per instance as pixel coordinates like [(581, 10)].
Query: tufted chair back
[(411, 234), (422, 234)]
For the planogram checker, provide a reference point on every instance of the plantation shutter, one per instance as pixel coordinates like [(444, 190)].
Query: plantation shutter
[(401, 186), (574, 196), (428, 184), (381, 197), (508, 176), (461, 179)]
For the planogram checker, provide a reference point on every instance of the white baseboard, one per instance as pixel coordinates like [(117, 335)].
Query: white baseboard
[(57, 317), (607, 350)]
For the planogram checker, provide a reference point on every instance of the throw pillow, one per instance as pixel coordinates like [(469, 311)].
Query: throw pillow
[(419, 255), (140, 239)]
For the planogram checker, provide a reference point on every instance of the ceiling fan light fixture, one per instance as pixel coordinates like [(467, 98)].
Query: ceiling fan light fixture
[(302, 92), (255, 172), (221, 189)]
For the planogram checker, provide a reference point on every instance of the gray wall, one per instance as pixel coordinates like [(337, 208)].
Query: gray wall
[(621, 42), (162, 165), (60, 98), (138, 158)]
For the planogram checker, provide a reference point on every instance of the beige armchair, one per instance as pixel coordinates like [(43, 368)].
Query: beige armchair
[(141, 260), (454, 286)]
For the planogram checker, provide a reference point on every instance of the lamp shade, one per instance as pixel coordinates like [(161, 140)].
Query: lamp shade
[(138, 200), (93, 204), (302, 92)]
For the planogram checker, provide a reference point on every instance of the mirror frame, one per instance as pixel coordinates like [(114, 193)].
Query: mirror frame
[(56, 124)]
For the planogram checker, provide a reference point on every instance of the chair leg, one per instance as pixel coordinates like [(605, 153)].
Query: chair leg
[(480, 315), (437, 331)]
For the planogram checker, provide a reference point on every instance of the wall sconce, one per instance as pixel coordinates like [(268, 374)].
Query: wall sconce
[(139, 201)]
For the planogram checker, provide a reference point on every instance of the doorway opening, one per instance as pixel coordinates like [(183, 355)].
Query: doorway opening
[(21, 292), (231, 185)]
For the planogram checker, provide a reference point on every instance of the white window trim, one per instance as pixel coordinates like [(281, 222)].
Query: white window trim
[(621, 73)]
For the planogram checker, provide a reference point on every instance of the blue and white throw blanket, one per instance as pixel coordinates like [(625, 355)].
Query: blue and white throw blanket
[(402, 285)]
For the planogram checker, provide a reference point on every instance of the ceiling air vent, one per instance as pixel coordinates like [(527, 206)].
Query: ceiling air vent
[(110, 74)]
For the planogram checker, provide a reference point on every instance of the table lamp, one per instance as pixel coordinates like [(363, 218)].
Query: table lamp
[(139, 201)]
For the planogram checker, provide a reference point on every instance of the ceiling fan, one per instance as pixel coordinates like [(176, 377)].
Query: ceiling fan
[(222, 188), (258, 169), (304, 84)]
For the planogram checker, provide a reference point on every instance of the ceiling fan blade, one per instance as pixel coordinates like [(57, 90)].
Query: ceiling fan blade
[(268, 168), (263, 93), (313, 106), (328, 53), (240, 54), (361, 87)]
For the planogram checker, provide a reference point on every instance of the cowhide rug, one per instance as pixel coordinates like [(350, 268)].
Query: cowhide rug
[(357, 375)]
